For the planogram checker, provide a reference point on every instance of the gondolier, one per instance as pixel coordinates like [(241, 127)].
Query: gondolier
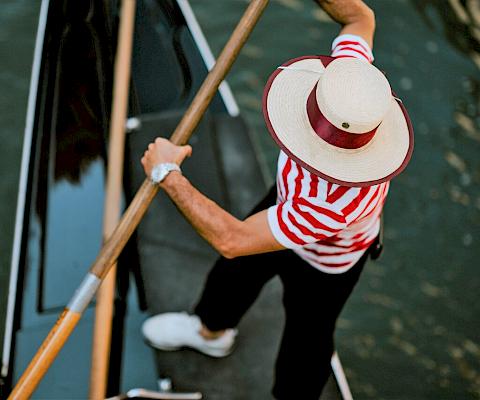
[(343, 136)]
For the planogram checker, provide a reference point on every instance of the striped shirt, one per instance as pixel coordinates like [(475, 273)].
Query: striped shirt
[(328, 225)]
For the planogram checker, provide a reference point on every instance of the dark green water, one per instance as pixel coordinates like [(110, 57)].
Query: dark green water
[(411, 329)]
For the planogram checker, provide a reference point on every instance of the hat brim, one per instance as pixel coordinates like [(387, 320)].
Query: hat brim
[(284, 107)]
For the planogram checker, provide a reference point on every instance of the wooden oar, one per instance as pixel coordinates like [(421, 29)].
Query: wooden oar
[(102, 332), (133, 215)]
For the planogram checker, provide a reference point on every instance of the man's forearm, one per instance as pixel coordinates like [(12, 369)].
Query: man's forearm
[(345, 11), (212, 222), (227, 234), (354, 15)]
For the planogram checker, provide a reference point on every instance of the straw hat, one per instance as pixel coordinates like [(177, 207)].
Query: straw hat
[(339, 119)]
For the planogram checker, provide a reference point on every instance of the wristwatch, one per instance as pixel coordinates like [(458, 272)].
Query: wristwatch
[(160, 171)]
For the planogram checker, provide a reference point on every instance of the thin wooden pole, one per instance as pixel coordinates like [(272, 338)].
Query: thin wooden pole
[(102, 332), (134, 213)]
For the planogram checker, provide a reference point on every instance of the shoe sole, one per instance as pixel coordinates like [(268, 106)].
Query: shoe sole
[(213, 353)]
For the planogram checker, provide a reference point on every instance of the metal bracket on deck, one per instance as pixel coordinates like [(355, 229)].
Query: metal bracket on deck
[(165, 393), (150, 394)]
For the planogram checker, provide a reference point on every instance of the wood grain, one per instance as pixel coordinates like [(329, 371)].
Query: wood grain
[(102, 331), (45, 355)]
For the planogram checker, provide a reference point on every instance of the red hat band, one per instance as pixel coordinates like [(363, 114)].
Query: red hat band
[(329, 132)]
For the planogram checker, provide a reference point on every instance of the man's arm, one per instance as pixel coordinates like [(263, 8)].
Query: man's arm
[(355, 16), (230, 236)]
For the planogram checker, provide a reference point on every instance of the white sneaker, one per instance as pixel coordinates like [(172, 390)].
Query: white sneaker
[(172, 331)]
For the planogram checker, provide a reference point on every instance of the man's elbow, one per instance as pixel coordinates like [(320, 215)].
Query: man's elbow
[(369, 16), (348, 11), (229, 254), (359, 13), (228, 250), (229, 245), (362, 23)]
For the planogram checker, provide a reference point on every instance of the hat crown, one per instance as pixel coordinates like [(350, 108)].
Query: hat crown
[(353, 95)]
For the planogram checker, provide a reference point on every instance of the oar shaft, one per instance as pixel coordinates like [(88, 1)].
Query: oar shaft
[(129, 222), (45, 355), (102, 332), (133, 215), (56, 338)]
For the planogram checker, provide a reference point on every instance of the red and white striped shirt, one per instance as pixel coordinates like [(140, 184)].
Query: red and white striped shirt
[(327, 225)]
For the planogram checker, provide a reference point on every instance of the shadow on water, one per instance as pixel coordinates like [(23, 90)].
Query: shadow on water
[(460, 20), (461, 26)]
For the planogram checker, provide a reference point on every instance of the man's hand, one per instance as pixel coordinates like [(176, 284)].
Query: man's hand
[(354, 15), (163, 151)]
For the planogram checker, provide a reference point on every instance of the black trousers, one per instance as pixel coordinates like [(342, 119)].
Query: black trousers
[(312, 301)]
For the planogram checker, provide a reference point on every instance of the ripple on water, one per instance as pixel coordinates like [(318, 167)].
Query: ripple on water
[(467, 239), (252, 51), (468, 126), (458, 196), (471, 347), (403, 345), (406, 83), (397, 325), (382, 300), (423, 128), (322, 16), (431, 46), (456, 162), (431, 290), (295, 5)]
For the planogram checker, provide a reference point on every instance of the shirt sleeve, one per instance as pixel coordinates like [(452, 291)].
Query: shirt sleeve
[(295, 223), (352, 46)]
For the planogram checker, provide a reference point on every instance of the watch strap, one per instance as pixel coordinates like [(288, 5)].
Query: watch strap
[(161, 171)]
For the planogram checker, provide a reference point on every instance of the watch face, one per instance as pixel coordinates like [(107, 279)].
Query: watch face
[(160, 171)]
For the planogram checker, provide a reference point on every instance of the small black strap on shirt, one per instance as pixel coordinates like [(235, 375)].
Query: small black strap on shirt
[(377, 247)]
